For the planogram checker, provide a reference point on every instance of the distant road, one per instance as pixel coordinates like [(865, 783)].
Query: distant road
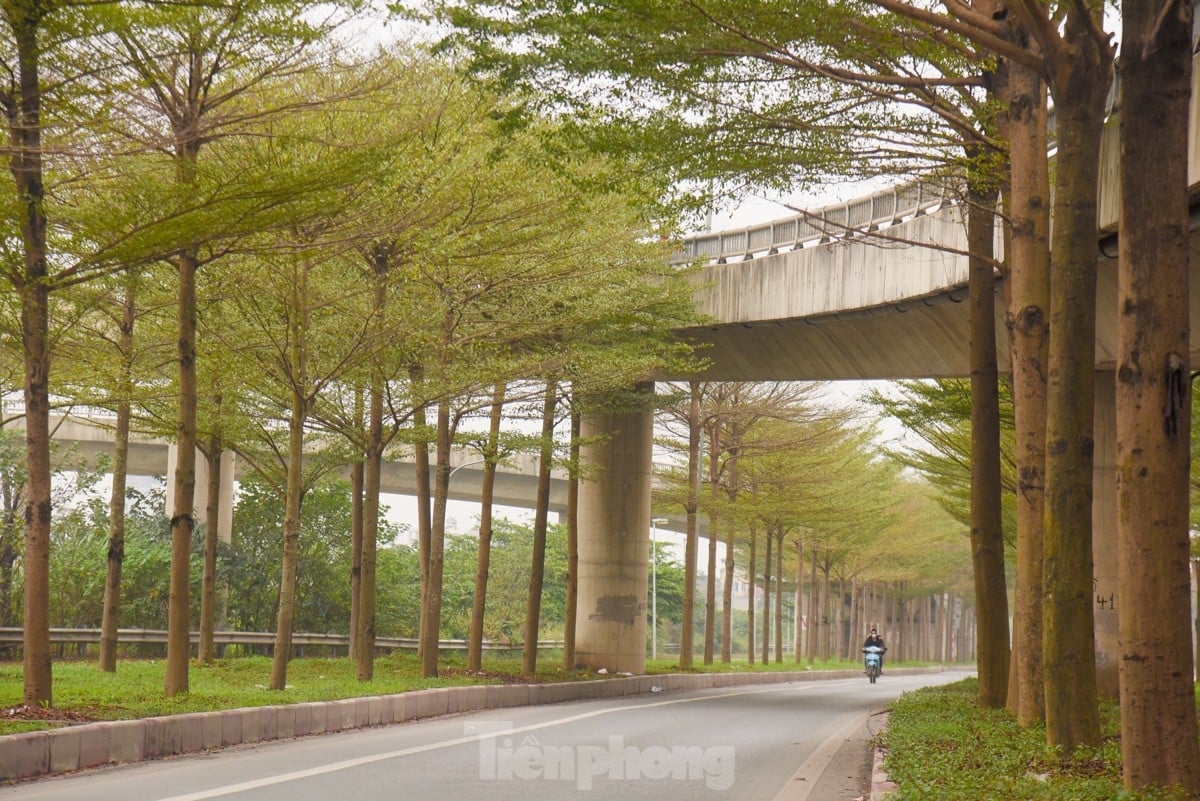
[(769, 742)]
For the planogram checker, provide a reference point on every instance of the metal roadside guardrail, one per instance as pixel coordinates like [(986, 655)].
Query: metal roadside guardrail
[(879, 209), (60, 635)]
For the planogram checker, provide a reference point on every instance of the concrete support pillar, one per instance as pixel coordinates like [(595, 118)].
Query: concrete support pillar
[(1104, 533), (614, 542), (225, 510)]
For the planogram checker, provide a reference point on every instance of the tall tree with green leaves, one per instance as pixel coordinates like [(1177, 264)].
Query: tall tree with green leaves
[(686, 420), (205, 73), (65, 232), (21, 99), (299, 331), (553, 280), (429, 133)]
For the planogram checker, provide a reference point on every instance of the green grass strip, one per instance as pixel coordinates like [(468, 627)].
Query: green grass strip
[(941, 744), (84, 692)]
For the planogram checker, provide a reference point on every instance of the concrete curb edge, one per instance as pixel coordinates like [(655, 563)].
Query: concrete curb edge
[(41, 753), (881, 784)]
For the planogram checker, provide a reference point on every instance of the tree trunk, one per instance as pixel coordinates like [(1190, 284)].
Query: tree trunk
[(838, 644), (921, 618), (294, 485), (36, 559), (691, 544), (710, 597), (537, 567), (364, 632), (12, 530), (814, 611), (766, 621), (421, 470), (752, 592), (183, 521), (357, 478), (943, 632), (286, 613), (797, 635), (897, 646), (1079, 82), (727, 601), (710, 593), (483, 558), (366, 544), (572, 544), (987, 538), (779, 599), (208, 578), (826, 623), (1027, 317), (111, 616), (431, 597), (878, 616), (25, 163), (730, 564), (930, 613), (1158, 719), (855, 622)]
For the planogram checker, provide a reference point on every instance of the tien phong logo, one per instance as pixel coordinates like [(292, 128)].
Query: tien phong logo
[(506, 756)]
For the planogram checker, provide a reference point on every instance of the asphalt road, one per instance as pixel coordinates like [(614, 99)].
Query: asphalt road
[(803, 741)]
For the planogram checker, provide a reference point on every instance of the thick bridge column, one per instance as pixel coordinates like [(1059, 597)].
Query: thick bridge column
[(1104, 532), (225, 511), (614, 542)]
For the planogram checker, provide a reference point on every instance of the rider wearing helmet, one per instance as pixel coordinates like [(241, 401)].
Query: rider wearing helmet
[(875, 639)]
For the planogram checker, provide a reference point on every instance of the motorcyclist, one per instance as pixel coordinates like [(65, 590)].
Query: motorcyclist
[(875, 639)]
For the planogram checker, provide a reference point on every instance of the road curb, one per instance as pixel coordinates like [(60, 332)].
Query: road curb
[(881, 785), (42, 753)]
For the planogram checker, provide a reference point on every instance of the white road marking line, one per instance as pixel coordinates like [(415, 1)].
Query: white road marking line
[(345, 764), (803, 780)]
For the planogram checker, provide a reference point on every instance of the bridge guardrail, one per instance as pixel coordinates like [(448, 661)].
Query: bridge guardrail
[(60, 635), (886, 207), (867, 213)]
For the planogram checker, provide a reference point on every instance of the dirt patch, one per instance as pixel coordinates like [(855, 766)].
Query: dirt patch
[(48, 714), (494, 675)]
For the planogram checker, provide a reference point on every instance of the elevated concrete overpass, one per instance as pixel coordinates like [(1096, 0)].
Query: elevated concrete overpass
[(837, 294), (91, 436)]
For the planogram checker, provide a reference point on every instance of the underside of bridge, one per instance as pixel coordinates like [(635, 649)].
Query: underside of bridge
[(924, 337), (858, 344)]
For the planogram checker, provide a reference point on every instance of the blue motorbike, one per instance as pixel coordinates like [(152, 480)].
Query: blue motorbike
[(874, 661)]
